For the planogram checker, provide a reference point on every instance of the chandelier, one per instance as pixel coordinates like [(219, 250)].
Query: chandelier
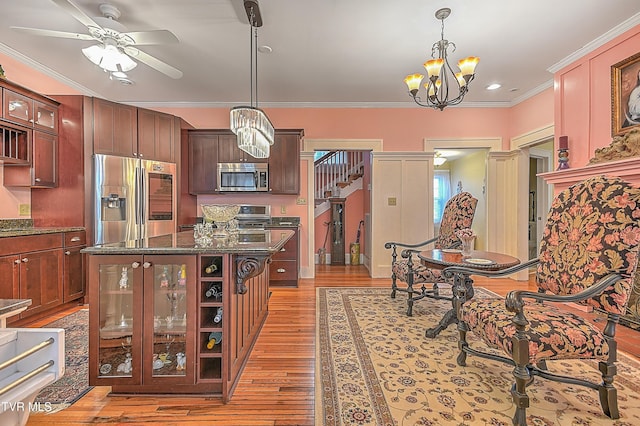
[(443, 83), (251, 125)]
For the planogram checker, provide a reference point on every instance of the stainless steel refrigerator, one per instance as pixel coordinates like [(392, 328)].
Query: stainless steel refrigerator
[(134, 198)]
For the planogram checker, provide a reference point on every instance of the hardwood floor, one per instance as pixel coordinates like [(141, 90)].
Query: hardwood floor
[(277, 385)]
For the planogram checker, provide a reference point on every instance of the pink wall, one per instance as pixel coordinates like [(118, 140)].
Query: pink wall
[(401, 129), (19, 73), (531, 114), (583, 97)]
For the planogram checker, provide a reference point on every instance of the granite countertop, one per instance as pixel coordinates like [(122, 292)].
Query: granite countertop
[(183, 243), (24, 227), (7, 306)]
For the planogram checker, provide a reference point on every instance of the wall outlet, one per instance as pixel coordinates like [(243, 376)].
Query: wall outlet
[(391, 201), (24, 209), (283, 209), (301, 201)]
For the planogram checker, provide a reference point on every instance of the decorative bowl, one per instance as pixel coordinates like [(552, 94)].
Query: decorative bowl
[(219, 213)]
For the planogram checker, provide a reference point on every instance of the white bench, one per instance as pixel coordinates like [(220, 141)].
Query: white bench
[(30, 359)]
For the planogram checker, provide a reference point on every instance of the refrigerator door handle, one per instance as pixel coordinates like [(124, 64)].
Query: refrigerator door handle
[(143, 197), (138, 197)]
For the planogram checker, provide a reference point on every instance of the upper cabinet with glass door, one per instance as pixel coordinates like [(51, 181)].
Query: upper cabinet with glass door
[(45, 116), (21, 107), (17, 108)]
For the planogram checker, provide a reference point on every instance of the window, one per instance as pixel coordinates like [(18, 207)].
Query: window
[(441, 193)]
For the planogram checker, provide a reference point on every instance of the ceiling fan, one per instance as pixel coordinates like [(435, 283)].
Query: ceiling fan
[(117, 47)]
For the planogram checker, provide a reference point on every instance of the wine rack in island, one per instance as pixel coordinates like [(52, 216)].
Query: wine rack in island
[(211, 318), (172, 324)]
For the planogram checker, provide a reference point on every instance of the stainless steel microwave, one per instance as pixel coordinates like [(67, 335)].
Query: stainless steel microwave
[(238, 177)]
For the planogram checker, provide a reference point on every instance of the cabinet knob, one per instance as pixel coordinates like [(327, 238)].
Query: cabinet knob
[(281, 270), (17, 261), (135, 265), (75, 239), (37, 179), (25, 259), (282, 249), (146, 265), (67, 252)]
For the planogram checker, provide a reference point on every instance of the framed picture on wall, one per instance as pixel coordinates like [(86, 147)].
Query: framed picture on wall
[(625, 95)]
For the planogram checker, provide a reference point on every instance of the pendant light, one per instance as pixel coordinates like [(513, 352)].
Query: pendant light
[(255, 133)]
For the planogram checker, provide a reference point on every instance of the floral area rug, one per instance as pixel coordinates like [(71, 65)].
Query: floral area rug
[(75, 382), (374, 366)]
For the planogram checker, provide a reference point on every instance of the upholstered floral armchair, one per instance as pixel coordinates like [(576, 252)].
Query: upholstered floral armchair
[(588, 255), (457, 214)]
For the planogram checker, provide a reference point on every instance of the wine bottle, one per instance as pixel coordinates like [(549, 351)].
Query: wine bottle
[(211, 268), (215, 337), (218, 316)]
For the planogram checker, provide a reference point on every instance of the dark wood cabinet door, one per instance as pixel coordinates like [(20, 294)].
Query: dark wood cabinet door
[(43, 172), (41, 280), (9, 277), (115, 128), (73, 274), (284, 163), (155, 136), (203, 158), (45, 149), (228, 151)]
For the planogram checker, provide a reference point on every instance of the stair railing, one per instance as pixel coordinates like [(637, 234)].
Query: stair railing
[(336, 168)]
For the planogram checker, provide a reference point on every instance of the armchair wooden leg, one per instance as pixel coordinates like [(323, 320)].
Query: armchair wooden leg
[(410, 291), (394, 286), (462, 342), (410, 302), (522, 378), (608, 393)]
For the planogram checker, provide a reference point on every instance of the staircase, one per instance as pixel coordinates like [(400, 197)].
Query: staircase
[(337, 174)]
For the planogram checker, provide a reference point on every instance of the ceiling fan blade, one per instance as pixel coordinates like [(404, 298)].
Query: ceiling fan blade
[(152, 37), (153, 62), (52, 33), (77, 13)]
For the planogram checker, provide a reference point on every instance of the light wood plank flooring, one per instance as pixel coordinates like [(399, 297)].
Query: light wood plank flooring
[(277, 385)]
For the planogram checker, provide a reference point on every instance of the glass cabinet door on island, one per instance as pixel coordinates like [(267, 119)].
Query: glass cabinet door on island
[(141, 331), (167, 309)]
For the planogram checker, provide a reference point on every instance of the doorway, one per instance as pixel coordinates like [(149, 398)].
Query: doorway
[(317, 233), (540, 193)]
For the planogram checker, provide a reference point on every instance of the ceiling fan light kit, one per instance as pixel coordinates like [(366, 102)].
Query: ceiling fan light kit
[(109, 57), (116, 45), (255, 133), (443, 81)]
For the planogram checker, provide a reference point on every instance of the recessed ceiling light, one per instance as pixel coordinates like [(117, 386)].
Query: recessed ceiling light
[(494, 86)]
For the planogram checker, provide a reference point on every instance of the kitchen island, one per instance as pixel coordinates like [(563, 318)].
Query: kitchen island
[(169, 316)]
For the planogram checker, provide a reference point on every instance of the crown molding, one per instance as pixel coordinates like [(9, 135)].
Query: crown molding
[(45, 70), (593, 45)]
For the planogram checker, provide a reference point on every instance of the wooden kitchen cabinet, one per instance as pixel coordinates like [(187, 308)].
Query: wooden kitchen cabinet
[(284, 162), (228, 151), (43, 172), (17, 107), (207, 148), (9, 277), (74, 272), (156, 136), (115, 128), (32, 268), (29, 134), (143, 323), (203, 160), (284, 267), (46, 268)]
